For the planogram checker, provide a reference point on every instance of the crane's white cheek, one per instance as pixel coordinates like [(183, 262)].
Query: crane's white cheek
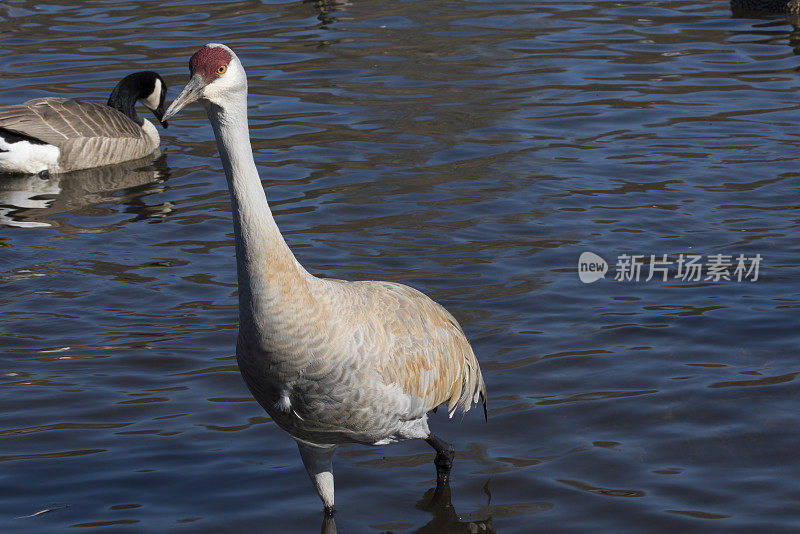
[(220, 90)]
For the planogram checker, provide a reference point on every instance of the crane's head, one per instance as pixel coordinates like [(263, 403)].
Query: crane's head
[(216, 75)]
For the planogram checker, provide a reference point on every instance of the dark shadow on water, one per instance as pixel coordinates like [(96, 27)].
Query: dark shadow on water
[(775, 15), (326, 10), (438, 502), (747, 8), (328, 525), (32, 201)]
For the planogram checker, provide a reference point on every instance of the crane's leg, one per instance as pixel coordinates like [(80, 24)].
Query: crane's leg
[(444, 458), (318, 460)]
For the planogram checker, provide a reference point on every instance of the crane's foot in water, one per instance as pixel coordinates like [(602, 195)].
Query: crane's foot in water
[(444, 458)]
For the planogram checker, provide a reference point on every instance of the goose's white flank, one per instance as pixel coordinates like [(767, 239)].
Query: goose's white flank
[(56, 135), (332, 362)]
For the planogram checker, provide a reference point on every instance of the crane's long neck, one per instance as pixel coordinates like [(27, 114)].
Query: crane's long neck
[(269, 276)]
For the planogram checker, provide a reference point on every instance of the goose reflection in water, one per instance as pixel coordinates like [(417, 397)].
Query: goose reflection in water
[(436, 501), (30, 201)]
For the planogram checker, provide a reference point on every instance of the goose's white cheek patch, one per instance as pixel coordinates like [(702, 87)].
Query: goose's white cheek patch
[(154, 99)]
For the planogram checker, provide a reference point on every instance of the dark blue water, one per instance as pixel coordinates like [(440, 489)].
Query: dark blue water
[(474, 150)]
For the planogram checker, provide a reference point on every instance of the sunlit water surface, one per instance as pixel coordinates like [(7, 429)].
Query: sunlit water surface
[(474, 150)]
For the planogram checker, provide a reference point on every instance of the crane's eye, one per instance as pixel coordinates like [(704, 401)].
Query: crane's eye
[(221, 69)]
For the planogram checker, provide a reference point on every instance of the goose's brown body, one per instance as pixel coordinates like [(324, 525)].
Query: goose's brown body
[(57, 135), (86, 134)]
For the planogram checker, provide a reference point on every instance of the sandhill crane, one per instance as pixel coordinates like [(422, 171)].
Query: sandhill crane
[(331, 361), (57, 135)]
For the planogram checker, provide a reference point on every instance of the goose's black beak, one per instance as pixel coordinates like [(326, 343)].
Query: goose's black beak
[(159, 113)]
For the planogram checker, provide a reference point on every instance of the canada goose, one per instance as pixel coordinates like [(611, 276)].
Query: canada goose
[(331, 361), (56, 135)]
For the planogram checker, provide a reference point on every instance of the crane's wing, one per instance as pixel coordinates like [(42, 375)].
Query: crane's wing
[(425, 351)]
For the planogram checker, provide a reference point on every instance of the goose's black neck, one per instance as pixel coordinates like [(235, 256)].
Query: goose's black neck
[(130, 89)]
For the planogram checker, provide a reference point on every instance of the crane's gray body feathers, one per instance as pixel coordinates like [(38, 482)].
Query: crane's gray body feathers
[(363, 364)]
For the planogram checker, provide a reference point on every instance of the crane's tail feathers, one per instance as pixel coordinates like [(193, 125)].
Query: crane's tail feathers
[(473, 390)]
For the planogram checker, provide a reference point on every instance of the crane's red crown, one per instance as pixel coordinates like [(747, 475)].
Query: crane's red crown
[(208, 60)]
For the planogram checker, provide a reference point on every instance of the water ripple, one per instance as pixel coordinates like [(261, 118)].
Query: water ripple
[(473, 150)]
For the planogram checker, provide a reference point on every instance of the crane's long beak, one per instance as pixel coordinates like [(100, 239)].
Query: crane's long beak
[(190, 93)]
